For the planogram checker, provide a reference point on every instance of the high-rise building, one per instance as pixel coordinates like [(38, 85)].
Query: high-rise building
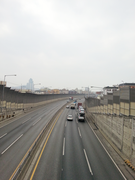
[(30, 85)]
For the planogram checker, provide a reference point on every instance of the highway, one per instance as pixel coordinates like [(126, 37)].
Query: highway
[(17, 136), (74, 152)]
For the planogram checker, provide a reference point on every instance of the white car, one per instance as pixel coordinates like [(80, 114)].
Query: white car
[(67, 106), (69, 117)]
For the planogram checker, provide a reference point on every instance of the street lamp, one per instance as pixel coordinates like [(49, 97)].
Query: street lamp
[(96, 87), (5, 85)]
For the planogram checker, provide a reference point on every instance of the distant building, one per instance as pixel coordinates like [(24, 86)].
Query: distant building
[(108, 89), (55, 91), (131, 85), (30, 85), (99, 93), (80, 91), (72, 92), (63, 91), (3, 83), (87, 89)]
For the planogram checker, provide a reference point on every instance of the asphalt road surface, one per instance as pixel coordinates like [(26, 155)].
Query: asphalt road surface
[(73, 152), (17, 136)]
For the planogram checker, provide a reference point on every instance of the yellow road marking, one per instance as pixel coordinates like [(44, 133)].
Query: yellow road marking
[(43, 148), (23, 159), (28, 152)]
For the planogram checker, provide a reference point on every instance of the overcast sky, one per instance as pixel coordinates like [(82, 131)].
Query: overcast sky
[(67, 43)]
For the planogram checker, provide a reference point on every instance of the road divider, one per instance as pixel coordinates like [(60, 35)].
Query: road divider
[(50, 131)]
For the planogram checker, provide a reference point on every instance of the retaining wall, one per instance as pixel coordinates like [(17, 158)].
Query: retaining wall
[(12, 101), (120, 130)]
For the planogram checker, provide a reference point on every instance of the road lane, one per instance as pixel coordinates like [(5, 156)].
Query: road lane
[(16, 148), (54, 163), (82, 156), (50, 164), (74, 164), (24, 118), (102, 165)]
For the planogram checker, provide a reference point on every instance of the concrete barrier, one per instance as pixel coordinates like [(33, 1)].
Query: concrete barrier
[(120, 131), (14, 101)]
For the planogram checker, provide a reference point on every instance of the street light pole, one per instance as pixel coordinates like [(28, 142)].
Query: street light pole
[(96, 87), (5, 84)]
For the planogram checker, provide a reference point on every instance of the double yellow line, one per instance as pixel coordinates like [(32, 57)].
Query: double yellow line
[(40, 153)]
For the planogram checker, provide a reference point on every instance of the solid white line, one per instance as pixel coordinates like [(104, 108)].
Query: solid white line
[(11, 144), (107, 153), (63, 147), (3, 135), (26, 121), (88, 162), (76, 120), (79, 132), (36, 122)]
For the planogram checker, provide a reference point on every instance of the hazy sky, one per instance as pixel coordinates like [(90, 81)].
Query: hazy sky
[(67, 43)]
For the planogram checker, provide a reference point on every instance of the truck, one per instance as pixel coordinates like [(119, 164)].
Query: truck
[(72, 106), (79, 104)]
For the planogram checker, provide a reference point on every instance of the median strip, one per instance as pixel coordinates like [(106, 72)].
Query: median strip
[(43, 148)]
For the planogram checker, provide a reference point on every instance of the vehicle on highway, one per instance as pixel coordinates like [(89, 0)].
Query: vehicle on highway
[(70, 98), (81, 115), (67, 106), (69, 117), (72, 106), (79, 104), (81, 108)]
